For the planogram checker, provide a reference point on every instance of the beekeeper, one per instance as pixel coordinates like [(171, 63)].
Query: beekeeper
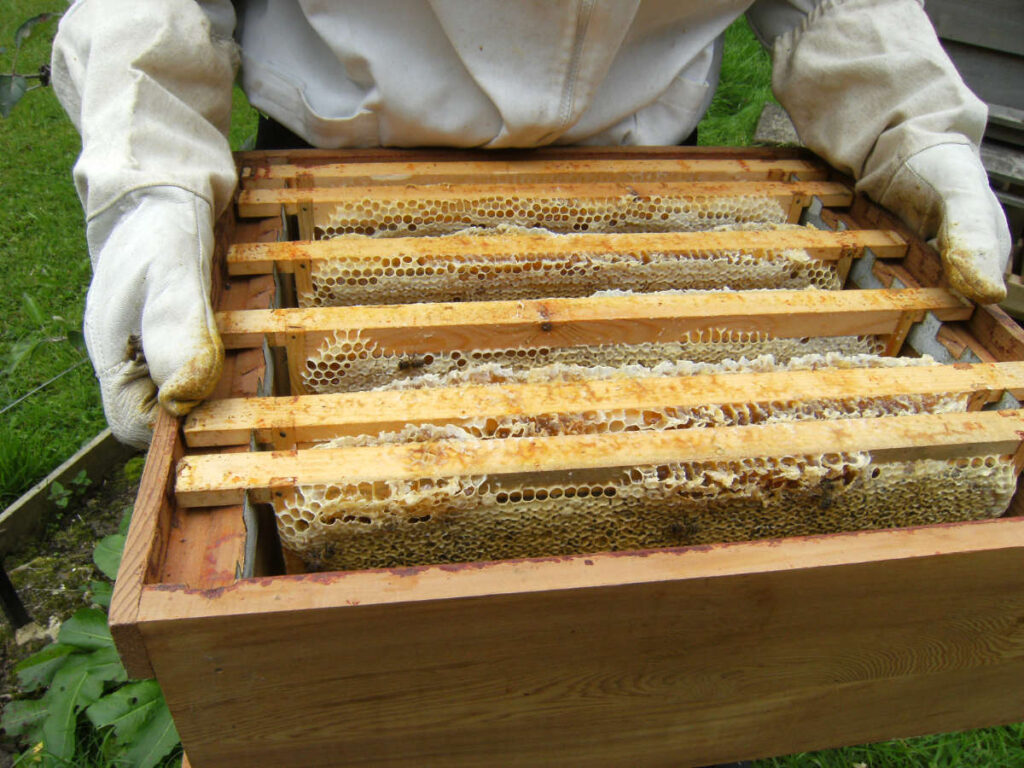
[(149, 85)]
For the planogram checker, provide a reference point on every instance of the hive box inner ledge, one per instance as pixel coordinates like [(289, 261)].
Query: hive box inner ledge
[(680, 656)]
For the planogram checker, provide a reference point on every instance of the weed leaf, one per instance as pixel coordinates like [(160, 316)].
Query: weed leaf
[(127, 709), (24, 717), (21, 351), (59, 495), (155, 740), (74, 687), (87, 629), (35, 314), (105, 665), (107, 554), (25, 30), (12, 88), (38, 670), (81, 481), (101, 591)]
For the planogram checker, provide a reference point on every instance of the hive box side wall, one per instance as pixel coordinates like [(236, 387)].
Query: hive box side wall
[(162, 544), (145, 544), (679, 669)]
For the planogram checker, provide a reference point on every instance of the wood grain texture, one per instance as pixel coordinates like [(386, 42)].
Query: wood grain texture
[(260, 258), (922, 261), (277, 176), (215, 479), (269, 202), (998, 332), (312, 158), (208, 550), (145, 544), (387, 586), (320, 417), (675, 658), (631, 319)]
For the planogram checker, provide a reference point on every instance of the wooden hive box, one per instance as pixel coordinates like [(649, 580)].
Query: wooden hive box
[(673, 656)]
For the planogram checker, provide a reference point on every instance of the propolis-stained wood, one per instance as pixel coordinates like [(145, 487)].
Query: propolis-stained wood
[(267, 202), (670, 657), (232, 421), (263, 258), (280, 175), (205, 481)]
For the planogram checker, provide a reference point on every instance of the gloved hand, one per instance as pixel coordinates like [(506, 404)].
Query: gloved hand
[(943, 191), (149, 325), (148, 85), (870, 89)]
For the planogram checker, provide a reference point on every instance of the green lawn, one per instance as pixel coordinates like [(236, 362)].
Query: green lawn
[(45, 264), (46, 272), (743, 89)]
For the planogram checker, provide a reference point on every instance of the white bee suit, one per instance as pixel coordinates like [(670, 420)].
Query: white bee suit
[(148, 84)]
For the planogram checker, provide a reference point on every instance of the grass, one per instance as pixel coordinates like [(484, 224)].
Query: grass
[(743, 89), (985, 748), (43, 256)]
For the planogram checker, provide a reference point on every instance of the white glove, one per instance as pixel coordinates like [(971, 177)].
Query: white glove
[(148, 85), (943, 191), (870, 89), (149, 326)]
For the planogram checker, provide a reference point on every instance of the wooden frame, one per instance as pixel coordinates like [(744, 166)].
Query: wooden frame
[(791, 194), (312, 418), (221, 479), (681, 657), (264, 258), (282, 175)]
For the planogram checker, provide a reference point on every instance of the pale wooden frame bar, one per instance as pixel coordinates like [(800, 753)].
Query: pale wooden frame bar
[(792, 195), (263, 258), (632, 319), (222, 479), (276, 176), (317, 417)]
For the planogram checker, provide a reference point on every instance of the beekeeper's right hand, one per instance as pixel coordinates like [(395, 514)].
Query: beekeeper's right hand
[(149, 326), (148, 85)]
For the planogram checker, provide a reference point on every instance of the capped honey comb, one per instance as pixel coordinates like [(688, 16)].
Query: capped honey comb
[(466, 519), (347, 363), (406, 279), (628, 213)]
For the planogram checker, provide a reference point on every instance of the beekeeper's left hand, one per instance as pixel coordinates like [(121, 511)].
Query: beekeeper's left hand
[(870, 89)]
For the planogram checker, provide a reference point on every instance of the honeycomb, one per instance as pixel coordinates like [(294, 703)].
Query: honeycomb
[(629, 213), (468, 518), (473, 517), (465, 519), (345, 362), (408, 279)]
